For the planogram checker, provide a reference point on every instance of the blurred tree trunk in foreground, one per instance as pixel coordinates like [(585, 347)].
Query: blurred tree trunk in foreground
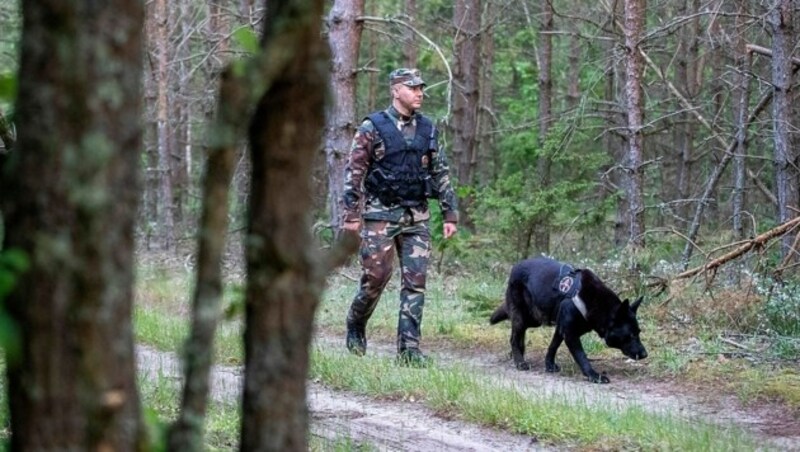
[(285, 275), (69, 194)]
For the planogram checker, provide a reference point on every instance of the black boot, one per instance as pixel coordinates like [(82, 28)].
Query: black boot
[(413, 357), (356, 339)]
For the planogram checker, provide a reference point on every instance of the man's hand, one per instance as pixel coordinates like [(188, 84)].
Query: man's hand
[(352, 225), (449, 229)]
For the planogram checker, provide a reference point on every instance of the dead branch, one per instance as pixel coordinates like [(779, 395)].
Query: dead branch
[(426, 39), (755, 243), (752, 48)]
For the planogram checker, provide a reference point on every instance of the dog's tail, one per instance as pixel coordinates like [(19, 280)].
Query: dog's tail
[(499, 315)]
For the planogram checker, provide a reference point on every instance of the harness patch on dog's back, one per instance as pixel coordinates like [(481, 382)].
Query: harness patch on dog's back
[(567, 284)]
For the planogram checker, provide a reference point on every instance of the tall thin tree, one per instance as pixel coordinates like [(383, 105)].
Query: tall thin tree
[(634, 94), (344, 37), (785, 160), (466, 74)]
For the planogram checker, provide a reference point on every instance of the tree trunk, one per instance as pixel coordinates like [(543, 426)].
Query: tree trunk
[(285, 279), (488, 157), (409, 46), (70, 203), (345, 39), (574, 75), (541, 222), (186, 432), (466, 75), (780, 21), (740, 101), (7, 136), (685, 129), (166, 222), (634, 67)]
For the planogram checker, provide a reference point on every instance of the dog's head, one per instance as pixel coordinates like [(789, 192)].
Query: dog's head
[(623, 332)]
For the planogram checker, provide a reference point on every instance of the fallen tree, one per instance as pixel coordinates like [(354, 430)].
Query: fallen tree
[(756, 243)]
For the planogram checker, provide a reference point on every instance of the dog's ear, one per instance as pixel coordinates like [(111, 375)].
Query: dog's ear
[(635, 305), (621, 310)]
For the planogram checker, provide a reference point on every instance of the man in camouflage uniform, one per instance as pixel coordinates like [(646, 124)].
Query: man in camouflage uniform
[(395, 165)]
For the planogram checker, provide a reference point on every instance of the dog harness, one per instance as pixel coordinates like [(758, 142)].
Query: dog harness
[(568, 285)]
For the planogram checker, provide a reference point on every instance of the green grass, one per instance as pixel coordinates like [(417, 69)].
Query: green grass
[(456, 315), (463, 393)]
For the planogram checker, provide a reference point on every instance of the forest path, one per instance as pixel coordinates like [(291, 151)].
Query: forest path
[(408, 425)]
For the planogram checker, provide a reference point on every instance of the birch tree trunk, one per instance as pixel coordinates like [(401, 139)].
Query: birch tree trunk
[(634, 67), (69, 203), (344, 38)]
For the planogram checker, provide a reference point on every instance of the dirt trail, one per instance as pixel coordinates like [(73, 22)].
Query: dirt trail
[(391, 425), (770, 423)]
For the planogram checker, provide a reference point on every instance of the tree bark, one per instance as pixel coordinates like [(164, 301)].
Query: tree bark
[(164, 211), (781, 23), (741, 100), (409, 45), (634, 68), (7, 135), (488, 157), (186, 432), (345, 40), (541, 227), (466, 74), (285, 277), (684, 131), (70, 203)]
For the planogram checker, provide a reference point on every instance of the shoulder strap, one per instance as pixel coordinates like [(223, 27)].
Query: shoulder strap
[(424, 136), (388, 130)]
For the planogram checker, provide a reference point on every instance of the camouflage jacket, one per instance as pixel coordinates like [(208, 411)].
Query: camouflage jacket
[(368, 146)]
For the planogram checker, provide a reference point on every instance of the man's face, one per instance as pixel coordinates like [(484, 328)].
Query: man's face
[(409, 97)]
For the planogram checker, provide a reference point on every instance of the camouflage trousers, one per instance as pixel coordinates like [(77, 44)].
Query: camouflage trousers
[(381, 242)]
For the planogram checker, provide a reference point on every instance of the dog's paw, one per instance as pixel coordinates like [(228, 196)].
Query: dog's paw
[(523, 365), (552, 367), (597, 378)]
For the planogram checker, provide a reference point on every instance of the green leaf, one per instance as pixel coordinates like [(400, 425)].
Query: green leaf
[(15, 260), (8, 87), (247, 39)]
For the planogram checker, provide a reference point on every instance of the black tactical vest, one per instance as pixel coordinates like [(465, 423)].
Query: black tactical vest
[(399, 177)]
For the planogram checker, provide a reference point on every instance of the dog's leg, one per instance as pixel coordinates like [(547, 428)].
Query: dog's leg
[(550, 359), (518, 343), (576, 349)]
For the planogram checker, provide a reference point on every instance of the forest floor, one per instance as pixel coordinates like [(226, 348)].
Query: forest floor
[(409, 425)]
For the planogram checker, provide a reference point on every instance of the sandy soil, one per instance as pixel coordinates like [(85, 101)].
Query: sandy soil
[(408, 425)]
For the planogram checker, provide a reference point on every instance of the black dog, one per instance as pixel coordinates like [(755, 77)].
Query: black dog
[(543, 291)]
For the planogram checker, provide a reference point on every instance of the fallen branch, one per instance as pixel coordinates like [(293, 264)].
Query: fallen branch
[(752, 48), (757, 243)]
